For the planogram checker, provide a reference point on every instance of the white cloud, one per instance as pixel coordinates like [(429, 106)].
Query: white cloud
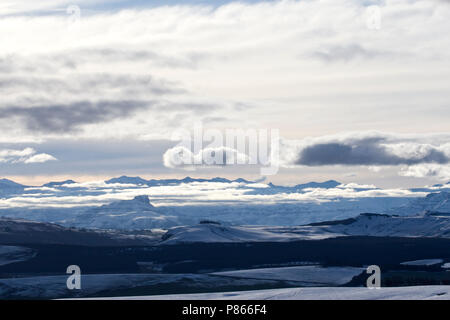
[(27, 155), (181, 157), (40, 158), (353, 185), (441, 172)]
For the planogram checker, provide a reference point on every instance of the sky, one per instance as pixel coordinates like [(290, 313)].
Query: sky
[(357, 90)]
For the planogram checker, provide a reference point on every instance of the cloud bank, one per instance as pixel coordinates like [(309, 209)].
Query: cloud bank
[(420, 155), (27, 156), (373, 150)]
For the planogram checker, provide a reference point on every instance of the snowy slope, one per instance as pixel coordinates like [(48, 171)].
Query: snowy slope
[(384, 225), (8, 187), (424, 262), (433, 202), (54, 287), (323, 293), (308, 275), (220, 233), (363, 225), (136, 214)]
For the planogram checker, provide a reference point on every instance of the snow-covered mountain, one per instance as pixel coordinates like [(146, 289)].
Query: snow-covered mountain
[(394, 226), (326, 185), (162, 182), (101, 204), (212, 232), (367, 224), (127, 180), (58, 183), (9, 187), (299, 188), (438, 202), (135, 214)]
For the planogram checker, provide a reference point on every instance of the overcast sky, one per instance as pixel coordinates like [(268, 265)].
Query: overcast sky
[(359, 90)]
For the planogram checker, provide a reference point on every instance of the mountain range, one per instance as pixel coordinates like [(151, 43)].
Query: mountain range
[(124, 203)]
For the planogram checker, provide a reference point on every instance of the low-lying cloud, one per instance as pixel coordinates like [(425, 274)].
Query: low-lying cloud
[(27, 156), (370, 153), (366, 149), (419, 155), (441, 172)]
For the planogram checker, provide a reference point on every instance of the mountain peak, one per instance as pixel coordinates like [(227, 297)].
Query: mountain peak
[(438, 195), (58, 183), (141, 202), (143, 198), (127, 180), (324, 185), (10, 183)]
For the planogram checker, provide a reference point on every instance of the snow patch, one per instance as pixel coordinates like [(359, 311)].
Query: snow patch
[(424, 262)]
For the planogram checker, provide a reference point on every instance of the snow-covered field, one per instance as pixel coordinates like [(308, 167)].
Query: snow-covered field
[(322, 293), (55, 286), (51, 287), (307, 275), (424, 262)]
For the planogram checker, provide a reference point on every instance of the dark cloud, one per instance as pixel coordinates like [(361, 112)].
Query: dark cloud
[(91, 83), (363, 152), (59, 118)]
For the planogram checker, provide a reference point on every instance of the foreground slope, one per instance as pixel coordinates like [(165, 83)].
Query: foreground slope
[(323, 293), (380, 225), (18, 231)]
